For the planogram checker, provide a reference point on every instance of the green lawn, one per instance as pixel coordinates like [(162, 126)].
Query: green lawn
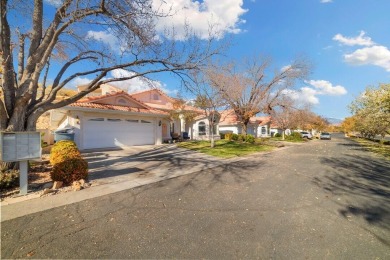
[(287, 140), (375, 147), (224, 148)]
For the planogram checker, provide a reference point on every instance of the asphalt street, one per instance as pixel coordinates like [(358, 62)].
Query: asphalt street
[(319, 200)]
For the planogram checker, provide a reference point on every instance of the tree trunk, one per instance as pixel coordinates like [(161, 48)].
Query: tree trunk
[(244, 129), (211, 135), (283, 135)]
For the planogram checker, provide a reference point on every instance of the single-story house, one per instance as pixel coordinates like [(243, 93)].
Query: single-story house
[(188, 119), (119, 119), (258, 126)]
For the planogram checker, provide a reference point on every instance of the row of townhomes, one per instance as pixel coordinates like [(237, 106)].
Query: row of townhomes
[(110, 117)]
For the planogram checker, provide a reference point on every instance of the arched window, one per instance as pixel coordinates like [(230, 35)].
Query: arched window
[(202, 128), (122, 101), (263, 130)]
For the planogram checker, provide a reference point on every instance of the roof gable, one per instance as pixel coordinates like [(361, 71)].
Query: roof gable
[(116, 99), (155, 96)]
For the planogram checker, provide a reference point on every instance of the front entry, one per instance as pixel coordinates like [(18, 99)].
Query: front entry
[(164, 128)]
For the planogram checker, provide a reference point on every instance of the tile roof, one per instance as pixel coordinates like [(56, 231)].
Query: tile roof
[(118, 108), (152, 89), (93, 98), (169, 106), (228, 117)]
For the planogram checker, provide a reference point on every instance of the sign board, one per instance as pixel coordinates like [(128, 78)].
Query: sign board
[(20, 146)]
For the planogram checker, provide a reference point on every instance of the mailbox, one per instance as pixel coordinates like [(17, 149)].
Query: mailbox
[(20, 146)]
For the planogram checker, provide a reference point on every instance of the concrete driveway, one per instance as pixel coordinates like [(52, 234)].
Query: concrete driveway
[(145, 162)]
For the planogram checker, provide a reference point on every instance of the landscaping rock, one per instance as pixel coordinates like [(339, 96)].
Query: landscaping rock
[(57, 185), (76, 186), (47, 185), (46, 191)]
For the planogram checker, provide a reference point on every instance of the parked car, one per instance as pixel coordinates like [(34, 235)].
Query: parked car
[(306, 135), (325, 135)]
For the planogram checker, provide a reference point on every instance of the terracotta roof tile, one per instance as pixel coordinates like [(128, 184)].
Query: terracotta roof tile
[(118, 108), (93, 98), (228, 117)]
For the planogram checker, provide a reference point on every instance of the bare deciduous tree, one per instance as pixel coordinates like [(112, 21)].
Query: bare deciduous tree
[(209, 100), (285, 115), (249, 90), (57, 44)]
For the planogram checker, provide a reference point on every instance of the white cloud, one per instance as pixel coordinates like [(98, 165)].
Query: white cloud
[(351, 41), (105, 37), (309, 94), (134, 85), (55, 3), (324, 87), (78, 81), (303, 96), (137, 84), (326, 1), (375, 55), (225, 15), (284, 68)]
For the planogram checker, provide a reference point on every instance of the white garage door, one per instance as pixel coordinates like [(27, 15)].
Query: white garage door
[(112, 132)]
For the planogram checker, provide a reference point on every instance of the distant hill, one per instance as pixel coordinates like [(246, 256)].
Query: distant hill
[(334, 121), (43, 121)]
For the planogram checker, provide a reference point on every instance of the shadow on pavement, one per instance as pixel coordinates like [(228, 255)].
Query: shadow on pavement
[(168, 160), (365, 182)]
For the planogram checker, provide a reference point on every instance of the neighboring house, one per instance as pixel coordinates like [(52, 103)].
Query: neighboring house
[(197, 127), (258, 126), (111, 120), (118, 119), (102, 90)]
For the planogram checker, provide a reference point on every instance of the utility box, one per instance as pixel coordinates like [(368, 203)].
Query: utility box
[(64, 134), (20, 146)]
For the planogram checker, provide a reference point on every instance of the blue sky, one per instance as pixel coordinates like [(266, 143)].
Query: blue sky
[(283, 29), (348, 41)]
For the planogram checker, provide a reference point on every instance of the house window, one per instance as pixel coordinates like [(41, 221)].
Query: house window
[(132, 120), (122, 101), (145, 122), (113, 120), (263, 130), (201, 128), (96, 119)]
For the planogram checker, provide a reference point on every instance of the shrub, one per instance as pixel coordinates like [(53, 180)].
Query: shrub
[(250, 139), (9, 179), (62, 151), (241, 138), (71, 170), (295, 136), (277, 135), (234, 137), (222, 135), (229, 136)]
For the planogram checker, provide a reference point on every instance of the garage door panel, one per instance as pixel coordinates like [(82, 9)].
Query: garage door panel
[(104, 134)]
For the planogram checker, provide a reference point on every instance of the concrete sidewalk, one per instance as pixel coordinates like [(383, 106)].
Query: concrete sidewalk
[(114, 171)]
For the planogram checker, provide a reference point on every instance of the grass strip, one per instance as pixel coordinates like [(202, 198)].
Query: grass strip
[(224, 148)]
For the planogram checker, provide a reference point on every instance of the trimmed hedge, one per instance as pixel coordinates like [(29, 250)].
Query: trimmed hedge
[(68, 166), (229, 136), (62, 151), (71, 170)]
